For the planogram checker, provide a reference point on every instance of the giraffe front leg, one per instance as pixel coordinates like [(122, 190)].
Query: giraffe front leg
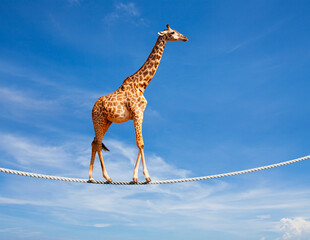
[(135, 171), (139, 139), (145, 171)]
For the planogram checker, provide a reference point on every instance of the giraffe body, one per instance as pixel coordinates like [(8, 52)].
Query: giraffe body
[(128, 103)]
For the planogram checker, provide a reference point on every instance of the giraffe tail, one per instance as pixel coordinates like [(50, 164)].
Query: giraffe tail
[(102, 145), (105, 148)]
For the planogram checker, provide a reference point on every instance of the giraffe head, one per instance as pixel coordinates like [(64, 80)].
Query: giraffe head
[(172, 35)]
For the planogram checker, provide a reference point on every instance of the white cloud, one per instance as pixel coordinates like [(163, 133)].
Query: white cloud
[(7, 230), (194, 205), (24, 105), (74, 2), (124, 11), (12, 201), (129, 8), (20, 100), (20, 233), (297, 228), (18, 71), (37, 154), (263, 34), (152, 114), (264, 216), (165, 170), (214, 205), (101, 225), (28, 153)]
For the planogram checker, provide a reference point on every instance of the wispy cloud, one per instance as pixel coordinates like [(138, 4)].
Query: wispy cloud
[(18, 100), (124, 11), (101, 225), (28, 153), (129, 8), (153, 114), (19, 71), (8, 229), (263, 34), (21, 233), (215, 205), (74, 2), (202, 206), (12, 201)]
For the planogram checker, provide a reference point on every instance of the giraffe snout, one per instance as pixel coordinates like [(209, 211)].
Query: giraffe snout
[(184, 39)]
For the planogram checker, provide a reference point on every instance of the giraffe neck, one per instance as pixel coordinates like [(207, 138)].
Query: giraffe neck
[(144, 75)]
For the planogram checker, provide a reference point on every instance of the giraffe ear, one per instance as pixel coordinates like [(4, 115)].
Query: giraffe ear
[(160, 33)]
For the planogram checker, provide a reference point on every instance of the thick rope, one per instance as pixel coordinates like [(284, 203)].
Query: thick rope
[(4, 170)]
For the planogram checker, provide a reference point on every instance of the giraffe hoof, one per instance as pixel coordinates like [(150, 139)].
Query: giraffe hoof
[(91, 180), (135, 180), (148, 179), (109, 180)]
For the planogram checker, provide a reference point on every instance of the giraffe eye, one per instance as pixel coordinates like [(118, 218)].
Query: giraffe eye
[(173, 33)]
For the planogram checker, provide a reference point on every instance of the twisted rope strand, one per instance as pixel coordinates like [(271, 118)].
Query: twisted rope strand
[(79, 180)]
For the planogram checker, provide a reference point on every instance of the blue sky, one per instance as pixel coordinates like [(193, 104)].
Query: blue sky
[(235, 96)]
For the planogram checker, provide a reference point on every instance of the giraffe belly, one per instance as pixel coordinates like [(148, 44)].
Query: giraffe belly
[(119, 114)]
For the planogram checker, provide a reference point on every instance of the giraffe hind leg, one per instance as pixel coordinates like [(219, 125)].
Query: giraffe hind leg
[(91, 166), (101, 128)]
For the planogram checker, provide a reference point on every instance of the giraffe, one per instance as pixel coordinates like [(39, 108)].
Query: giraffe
[(128, 103)]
